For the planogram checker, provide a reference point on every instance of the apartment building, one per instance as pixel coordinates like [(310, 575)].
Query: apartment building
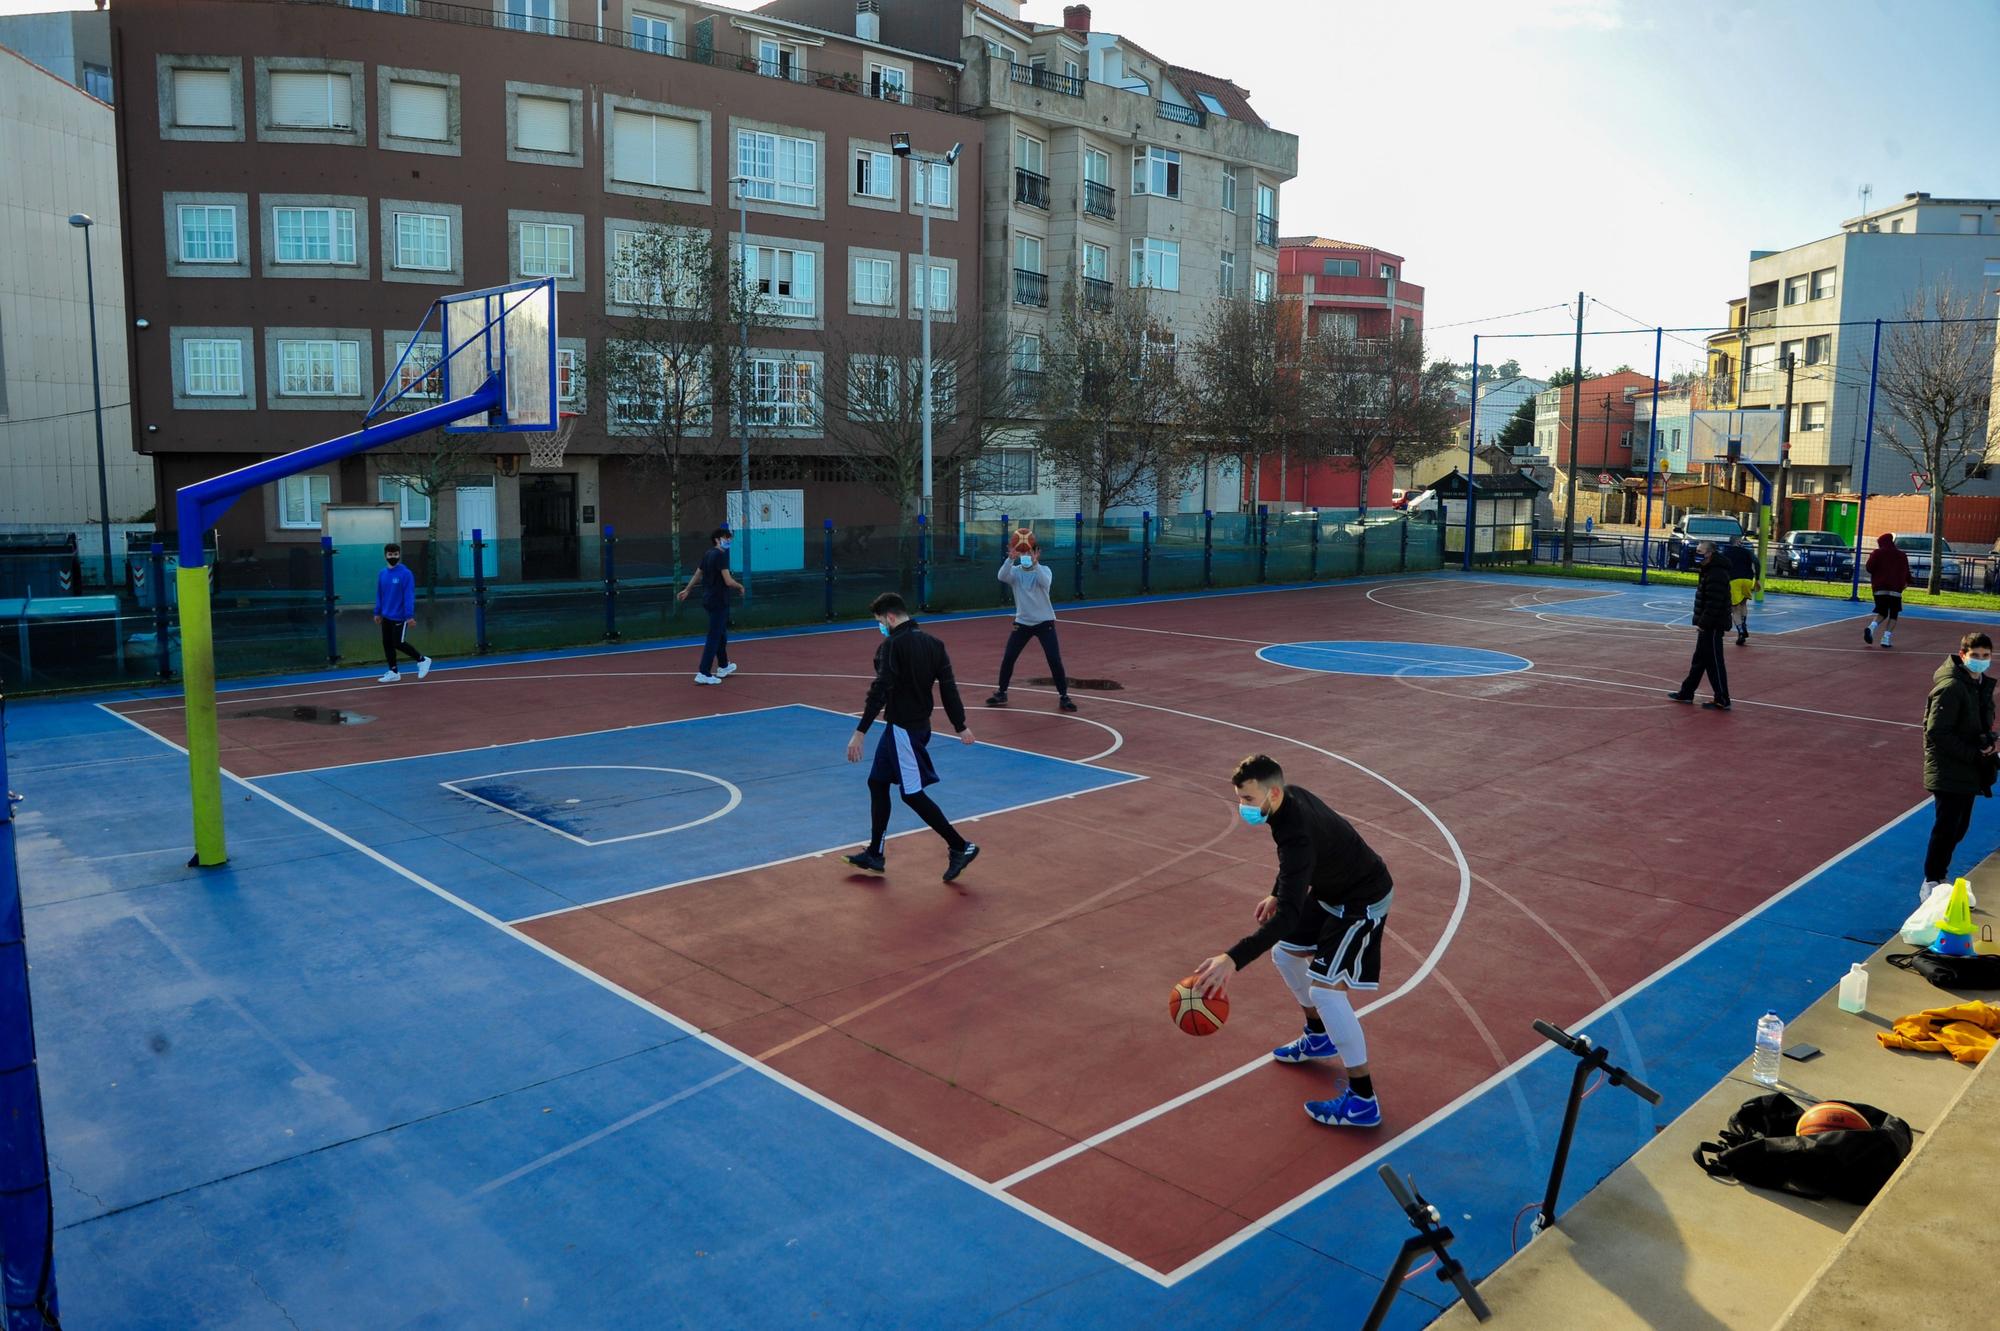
[(1106, 167), (1816, 303), (303, 178), (73, 45), (58, 155), (1604, 428)]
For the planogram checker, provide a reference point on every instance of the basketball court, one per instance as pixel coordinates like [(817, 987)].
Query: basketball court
[(538, 990)]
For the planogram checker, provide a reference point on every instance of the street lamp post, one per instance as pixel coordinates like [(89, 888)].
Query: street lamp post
[(900, 144), (81, 221), (742, 387)]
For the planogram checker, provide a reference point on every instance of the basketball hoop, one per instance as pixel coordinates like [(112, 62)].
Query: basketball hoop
[(545, 451)]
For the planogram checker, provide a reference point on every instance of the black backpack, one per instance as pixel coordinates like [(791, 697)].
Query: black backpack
[(1759, 1148), (1981, 971)]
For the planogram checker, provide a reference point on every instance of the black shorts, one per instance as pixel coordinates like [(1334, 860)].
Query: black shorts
[(903, 758), (1888, 604), (1346, 944)]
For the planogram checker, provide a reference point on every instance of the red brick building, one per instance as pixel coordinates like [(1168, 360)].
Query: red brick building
[(1604, 426)]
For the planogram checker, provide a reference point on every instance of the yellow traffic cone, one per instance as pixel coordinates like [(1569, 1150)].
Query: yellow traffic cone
[(1955, 930)]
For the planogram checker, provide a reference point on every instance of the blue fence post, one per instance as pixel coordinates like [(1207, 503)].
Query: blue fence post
[(610, 583), (158, 561), (1867, 455), (326, 580), (1079, 556), (1208, 547), (826, 526), (1263, 538), (27, 1264), (1403, 555), (1312, 566), (1146, 553), (479, 643), (923, 562)]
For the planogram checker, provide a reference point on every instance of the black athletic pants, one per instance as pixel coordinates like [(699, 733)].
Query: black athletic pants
[(1954, 816), (921, 804), (393, 633), (1708, 660), (1018, 639)]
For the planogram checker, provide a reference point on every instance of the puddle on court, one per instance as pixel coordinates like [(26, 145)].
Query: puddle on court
[(312, 716), (1101, 685)]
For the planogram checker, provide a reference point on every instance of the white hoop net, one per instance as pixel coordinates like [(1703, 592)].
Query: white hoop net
[(545, 451)]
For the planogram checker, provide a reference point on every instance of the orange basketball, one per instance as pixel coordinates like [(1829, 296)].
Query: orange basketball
[(1830, 1116), (1024, 539), (1193, 1013)]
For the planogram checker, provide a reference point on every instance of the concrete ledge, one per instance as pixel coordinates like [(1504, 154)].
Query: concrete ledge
[(1660, 1244)]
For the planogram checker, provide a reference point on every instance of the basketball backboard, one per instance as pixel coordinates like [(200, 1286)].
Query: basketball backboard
[(509, 331), (1751, 435)]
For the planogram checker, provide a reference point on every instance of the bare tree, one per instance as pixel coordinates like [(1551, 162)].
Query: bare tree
[(1938, 380), (1111, 401), (670, 370), (1377, 401), (1248, 383)]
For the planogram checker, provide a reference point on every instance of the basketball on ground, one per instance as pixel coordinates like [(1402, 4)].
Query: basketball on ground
[(1830, 1116), (1193, 1013)]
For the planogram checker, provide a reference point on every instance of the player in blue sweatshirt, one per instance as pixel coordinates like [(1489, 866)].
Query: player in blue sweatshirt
[(395, 611)]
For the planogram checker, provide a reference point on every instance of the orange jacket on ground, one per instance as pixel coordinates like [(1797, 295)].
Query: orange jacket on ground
[(1966, 1031)]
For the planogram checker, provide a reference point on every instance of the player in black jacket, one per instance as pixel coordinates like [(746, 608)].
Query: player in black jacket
[(907, 664), (1322, 925)]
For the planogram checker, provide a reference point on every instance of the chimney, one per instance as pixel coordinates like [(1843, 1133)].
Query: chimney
[(868, 20), (1076, 18)]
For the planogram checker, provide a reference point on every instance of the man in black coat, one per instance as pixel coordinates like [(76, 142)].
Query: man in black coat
[(1711, 621)]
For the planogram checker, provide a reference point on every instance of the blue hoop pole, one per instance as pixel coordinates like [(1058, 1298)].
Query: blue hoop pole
[(479, 591), (610, 583), (1652, 442), (332, 615)]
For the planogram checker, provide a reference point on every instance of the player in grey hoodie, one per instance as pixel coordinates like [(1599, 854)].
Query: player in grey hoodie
[(1034, 617)]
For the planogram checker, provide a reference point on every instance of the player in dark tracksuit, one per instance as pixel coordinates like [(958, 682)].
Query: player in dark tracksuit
[(1322, 925), (908, 664), (1711, 621)]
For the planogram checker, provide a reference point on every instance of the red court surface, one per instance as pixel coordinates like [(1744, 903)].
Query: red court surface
[(1556, 836)]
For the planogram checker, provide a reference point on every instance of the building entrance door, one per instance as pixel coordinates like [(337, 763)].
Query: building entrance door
[(548, 526)]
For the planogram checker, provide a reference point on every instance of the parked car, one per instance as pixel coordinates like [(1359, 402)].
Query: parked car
[(1917, 545), (1677, 551), (1812, 554)]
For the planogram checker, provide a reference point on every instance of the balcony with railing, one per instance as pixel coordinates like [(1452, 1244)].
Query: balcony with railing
[(1036, 76), (1182, 115), (1031, 188), (1267, 231), (1099, 200), (1097, 294), (1031, 288)]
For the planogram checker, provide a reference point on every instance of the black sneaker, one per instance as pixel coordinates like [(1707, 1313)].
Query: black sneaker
[(998, 700), (1066, 704), (1742, 638), (871, 860), (961, 857), (1679, 697), (1715, 707), (1867, 634)]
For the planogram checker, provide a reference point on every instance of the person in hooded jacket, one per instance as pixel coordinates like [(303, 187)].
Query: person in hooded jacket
[(1712, 618), (1959, 750), (1888, 578)]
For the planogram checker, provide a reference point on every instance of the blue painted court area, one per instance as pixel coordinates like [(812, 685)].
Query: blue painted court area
[(1418, 660), (1671, 604), (522, 829)]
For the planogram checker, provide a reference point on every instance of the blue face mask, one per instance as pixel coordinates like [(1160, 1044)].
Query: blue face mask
[(1976, 665), (884, 627), (1027, 561), (722, 545), (1251, 814)]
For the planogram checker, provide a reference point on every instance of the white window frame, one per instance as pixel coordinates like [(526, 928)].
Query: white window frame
[(1021, 241), (1026, 348), (420, 376), (929, 176), (1264, 286), (340, 367), (624, 287), (1822, 291), (313, 490), (776, 273), (1267, 196), (888, 83), (544, 231), (568, 370), (1097, 167), (208, 211), (1812, 417), (865, 290), (778, 59), (761, 156), (1027, 146), (651, 32), (879, 168), (1154, 262), (1156, 171), (339, 237), (1102, 268), (417, 235), (1228, 189), (939, 280), (528, 15), (1227, 269), (413, 506), (226, 380), (1795, 289), (783, 393), (995, 468), (335, 119)]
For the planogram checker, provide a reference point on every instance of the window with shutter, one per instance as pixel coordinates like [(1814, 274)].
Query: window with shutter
[(420, 111), (654, 150), (201, 99), (542, 124), (311, 99)]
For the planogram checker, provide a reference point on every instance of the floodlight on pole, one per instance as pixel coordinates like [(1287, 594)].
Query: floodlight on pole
[(900, 144), (743, 374), (82, 222)]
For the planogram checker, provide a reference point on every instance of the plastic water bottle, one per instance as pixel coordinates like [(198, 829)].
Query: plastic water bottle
[(1854, 989), (1770, 1047)]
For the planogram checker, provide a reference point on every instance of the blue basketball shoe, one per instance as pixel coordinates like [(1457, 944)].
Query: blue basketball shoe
[(1309, 1046), (1349, 1111)]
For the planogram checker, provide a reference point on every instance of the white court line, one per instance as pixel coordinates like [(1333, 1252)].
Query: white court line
[(1437, 1116), (735, 798), (1117, 738), (1736, 702), (798, 1088)]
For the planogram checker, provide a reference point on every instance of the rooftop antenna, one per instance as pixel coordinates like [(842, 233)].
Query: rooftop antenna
[(1867, 193)]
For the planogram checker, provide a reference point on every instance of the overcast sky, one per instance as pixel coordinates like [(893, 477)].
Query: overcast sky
[(1517, 151)]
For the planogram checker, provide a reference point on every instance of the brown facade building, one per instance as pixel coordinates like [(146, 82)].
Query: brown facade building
[(301, 180)]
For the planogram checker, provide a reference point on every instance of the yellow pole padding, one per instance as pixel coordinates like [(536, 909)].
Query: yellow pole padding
[(204, 745)]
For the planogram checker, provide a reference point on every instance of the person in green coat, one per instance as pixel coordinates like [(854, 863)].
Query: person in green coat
[(1959, 750)]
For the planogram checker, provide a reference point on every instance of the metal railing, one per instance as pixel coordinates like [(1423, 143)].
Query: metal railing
[(1034, 76), (1031, 188), (1099, 200), (1097, 294), (473, 16), (1267, 231), (1182, 115), (1030, 288)]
